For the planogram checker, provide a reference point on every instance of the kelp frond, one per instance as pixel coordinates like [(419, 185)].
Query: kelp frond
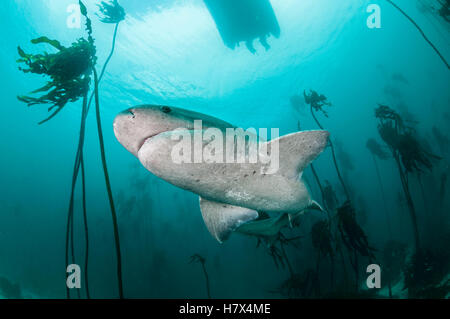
[(317, 101), (402, 141), (385, 113), (414, 156), (69, 69), (444, 11), (197, 258), (352, 234), (321, 238), (111, 12)]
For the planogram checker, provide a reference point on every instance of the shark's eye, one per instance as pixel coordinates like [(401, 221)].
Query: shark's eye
[(166, 109)]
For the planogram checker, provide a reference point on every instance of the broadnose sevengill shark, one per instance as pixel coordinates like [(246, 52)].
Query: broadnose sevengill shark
[(233, 196)]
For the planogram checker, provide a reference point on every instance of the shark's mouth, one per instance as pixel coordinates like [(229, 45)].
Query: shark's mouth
[(142, 141)]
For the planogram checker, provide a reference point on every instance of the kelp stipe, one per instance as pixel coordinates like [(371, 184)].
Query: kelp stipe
[(410, 157), (79, 162), (199, 259), (103, 156), (342, 229), (70, 71), (353, 237), (322, 240), (86, 229), (407, 153), (69, 229), (346, 229), (377, 152), (421, 31), (291, 286), (317, 102), (108, 187), (111, 12)]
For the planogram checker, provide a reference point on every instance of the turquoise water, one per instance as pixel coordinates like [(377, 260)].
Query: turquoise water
[(171, 53)]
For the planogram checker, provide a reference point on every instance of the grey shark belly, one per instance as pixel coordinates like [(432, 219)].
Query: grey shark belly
[(233, 193), (236, 184), (239, 184)]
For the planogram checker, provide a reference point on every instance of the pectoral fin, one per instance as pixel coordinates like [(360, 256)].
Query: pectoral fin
[(222, 219)]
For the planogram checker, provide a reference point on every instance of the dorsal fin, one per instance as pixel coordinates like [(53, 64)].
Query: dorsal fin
[(222, 219), (299, 149)]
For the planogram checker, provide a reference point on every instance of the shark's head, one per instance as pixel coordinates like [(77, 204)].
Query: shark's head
[(138, 124)]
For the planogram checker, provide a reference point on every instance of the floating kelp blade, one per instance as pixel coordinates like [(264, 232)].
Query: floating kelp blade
[(316, 102), (69, 71), (111, 12)]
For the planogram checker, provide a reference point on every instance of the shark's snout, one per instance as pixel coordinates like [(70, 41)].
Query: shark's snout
[(123, 129), (134, 126)]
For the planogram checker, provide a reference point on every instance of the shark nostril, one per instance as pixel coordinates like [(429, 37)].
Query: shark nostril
[(131, 112)]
